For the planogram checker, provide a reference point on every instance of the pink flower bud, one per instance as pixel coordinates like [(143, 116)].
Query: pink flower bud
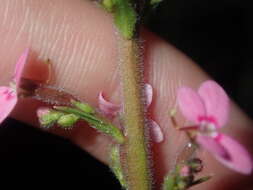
[(185, 171)]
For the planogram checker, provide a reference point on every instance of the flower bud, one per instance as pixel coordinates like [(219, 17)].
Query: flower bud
[(185, 171), (42, 111), (68, 120), (48, 117)]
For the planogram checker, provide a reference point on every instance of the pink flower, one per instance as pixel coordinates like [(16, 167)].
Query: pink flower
[(208, 109), (8, 94), (110, 110)]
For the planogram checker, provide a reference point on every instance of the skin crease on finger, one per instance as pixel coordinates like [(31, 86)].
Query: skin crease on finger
[(80, 40)]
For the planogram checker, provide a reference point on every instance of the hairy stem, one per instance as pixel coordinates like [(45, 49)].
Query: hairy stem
[(135, 148)]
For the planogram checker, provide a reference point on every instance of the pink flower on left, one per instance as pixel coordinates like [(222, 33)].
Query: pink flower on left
[(8, 94)]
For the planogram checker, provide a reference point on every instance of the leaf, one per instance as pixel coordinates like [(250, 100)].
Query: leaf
[(125, 18)]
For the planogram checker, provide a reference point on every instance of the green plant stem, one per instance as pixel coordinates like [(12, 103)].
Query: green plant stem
[(136, 163)]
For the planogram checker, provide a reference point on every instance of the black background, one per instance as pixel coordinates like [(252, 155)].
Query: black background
[(216, 34)]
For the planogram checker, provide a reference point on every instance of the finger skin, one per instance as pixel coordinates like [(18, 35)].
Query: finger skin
[(81, 41)]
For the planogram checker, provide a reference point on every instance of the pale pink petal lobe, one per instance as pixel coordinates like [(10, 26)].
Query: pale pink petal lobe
[(240, 159), (107, 108), (8, 100), (216, 101), (149, 94), (20, 66), (213, 146), (42, 111), (156, 132), (190, 104)]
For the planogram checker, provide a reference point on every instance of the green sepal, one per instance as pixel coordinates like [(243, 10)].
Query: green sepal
[(67, 120), (96, 122), (115, 165), (83, 107)]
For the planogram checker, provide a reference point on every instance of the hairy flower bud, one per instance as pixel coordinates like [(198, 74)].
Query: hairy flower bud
[(48, 117), (68, 120), (185, 171)]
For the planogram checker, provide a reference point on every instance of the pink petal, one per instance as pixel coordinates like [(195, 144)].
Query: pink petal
[(20, 66), (156, 132), (185, 171), (149, 94), (213, 146), (190, 104), (216, 101), (42, 111), (107, 108), (240, 160), (8, 100)]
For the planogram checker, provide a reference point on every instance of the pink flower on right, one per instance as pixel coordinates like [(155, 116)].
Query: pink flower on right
[(208, 108)]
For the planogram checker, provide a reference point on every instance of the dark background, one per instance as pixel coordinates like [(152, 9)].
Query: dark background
[(216, 34)]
